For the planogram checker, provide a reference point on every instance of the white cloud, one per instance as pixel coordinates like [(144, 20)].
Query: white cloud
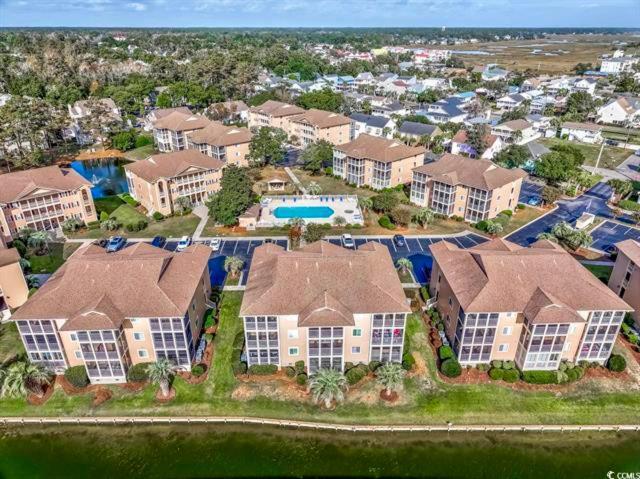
[(137, 6)]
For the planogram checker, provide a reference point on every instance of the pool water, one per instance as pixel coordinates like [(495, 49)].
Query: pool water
[(287, 212), (107, 176)]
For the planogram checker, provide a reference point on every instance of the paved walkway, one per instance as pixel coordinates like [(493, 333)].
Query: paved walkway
[(203, 213), (605, 172), (295, 180)]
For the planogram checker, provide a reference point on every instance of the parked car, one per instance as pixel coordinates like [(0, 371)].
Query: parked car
[(184, 243), (534, 201), (269, 240), (102, 242), (159, 241), (399, 240), (612, 142), (347, 241), (215, 244), (611, 249), (115, 243)]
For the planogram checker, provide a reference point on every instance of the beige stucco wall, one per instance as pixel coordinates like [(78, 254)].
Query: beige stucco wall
[(505, 198), (140, 325), (514, 322), (13, 285), (632, 291), (238, 154)]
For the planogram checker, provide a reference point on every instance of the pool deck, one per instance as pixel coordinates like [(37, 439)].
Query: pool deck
[(342, 205)]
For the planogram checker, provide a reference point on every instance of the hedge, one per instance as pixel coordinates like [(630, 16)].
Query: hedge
[(482, 225), (451, 368), (496, 374), (138, 372), (290, 372), (424, 292), (263, 369), (408, 361), (301, 379), (385, 222), (616, 363), (158, 216), (299, 367), (198, 370), (373, 365), (540, 377), (239, 367), (511, 375), (355, 375), (508, 365), (629, 205), (445, 352), (77, 376)]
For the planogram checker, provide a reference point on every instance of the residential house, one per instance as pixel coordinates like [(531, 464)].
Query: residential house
[(585, 85), (387, 109), (273, 114), (160, 180), (376, 162), (109, 311), (228, 144), (531, 84), (365, 79), (460, 146), (421, 57), (373, 125), (170, 131), (42, 199), (105, 108), (584, 132), (352, 308), (618, 65), (315, 125), (154, 115), (473, 189), (536, 306), (414, 131), (231, 110), (516, 132), (625, 277), (449, 109), (624, 110), (13, 287), (511, 102), (493, 72)]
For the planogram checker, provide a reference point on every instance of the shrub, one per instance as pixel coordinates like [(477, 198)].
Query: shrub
[(198, 370), (445, 352), (583, 364), (496, 374), (385, 222), (483, 367), (77, 376), (138, 372), (93, 225), (348, 365), (373, 365), (137, 226), (239, 367), (158, 216), (328, 171), (424, 292), (616, 363), (457, 218), (520, 206), (511, 375), (210, 318), (482, 225), (21, 247), (508, 213), (290, 372), (130, 200), (575, 374), (496, 364), (508, 365), (104, 216), (301, 379), (263, 369), (238, 341), (451, 368), (540, 377), (408, 361), (299, 367), (208, 337), (401, 215), (355, 375), (629, 205), (143, 140)]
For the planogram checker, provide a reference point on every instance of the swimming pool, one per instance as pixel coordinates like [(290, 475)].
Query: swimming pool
[(304, 212)]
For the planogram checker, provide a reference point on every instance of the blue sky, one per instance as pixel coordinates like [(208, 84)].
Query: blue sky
[(316, 13)]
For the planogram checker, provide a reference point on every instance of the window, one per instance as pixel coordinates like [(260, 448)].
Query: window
[(142, 353), (503, 348), (292, 334), (78, 354), (506, 331), (294, 351), (138, 336), (355, 349), (73, 337), (357, 332)]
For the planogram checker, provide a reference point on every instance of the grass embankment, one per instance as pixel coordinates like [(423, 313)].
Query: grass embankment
[(50, 262), (428, 399), (611, 156), (602, 272)]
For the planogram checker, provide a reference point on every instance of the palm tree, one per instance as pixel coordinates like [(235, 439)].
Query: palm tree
[(314, 188), (161, 373), (517, 136), (493, 227), (296, 222), (390, 376), (328, 385), (233, 265), (365, 203), (22, 378), (25, 233), (404, 265), (424, 216), (110, 224), (39, 241)]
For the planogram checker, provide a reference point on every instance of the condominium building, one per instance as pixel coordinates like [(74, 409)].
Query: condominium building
[(537, 305), (274, 114), (315, 125), (170, 131), (348, 306), (42, 199), (473, 189), (13, 287), (109, 311), (160, 180), (625, 277), (227, 144), (376, 162)]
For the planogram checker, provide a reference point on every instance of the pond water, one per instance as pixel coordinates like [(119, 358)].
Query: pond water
[(107, 176), (234, 451)]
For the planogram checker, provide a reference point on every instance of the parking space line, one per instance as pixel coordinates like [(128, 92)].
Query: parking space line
[(421, 248), (235, 247)]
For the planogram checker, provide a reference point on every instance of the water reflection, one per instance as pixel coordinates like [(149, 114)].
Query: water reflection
[(107, 176)]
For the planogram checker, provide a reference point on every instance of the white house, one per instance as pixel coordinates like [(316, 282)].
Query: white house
[(516, 132), (584, 132), (621, 111), (460, 146), (586, 85), (617, 65), (374, 125), (511, 102)]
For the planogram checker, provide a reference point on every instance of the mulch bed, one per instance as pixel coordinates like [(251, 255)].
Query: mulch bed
[(40, 400), (134, 387), (163, 399), (632, 348), (102, 395), (207, 359), (393, 397)]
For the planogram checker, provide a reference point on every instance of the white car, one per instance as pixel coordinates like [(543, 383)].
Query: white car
[(215, 244), (347, 241), (184, 243)]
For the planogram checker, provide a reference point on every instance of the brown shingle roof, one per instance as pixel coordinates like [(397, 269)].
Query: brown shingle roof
[(20, 184), (631, 249), (162, 112), (323, 284), (220, 135), (538, 281), (179, 121), (457, 170), (379, 149), (277, 109), (168, 165), (515, 125), (95, 289), (321, 118), (462, 137), (581, 126)]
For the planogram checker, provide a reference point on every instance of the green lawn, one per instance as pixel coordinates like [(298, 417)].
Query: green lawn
[(406, 277), (140, 153), (172, 227), (127, 214), (521, 218), (10, 343), (108, 204), (331, 185), (611, 155), (428, 400), (58, 253), (601, 272)]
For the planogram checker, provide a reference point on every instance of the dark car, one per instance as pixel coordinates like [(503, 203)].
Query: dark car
[(115, 243), (399, 240), (159, 241), (101, 242), (611, 249), (269, 240)]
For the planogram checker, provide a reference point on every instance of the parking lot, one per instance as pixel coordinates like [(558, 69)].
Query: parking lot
[(530, 193), (608, 233)]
